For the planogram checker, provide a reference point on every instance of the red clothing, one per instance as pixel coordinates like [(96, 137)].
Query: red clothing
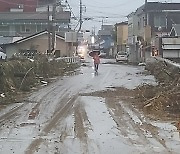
[(96, 59)]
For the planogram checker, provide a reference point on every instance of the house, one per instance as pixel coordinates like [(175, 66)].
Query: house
[(132, 41), (106, 41), (25, 24), (24, 18), (18, 5), (38, 43), (24, 5), (151, 20), (122, 35)]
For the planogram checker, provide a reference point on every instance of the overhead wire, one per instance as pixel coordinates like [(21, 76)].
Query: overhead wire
[(110, 7)]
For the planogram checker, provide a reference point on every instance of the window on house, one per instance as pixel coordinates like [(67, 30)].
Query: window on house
[(130, 28), (25, 28), (160, 21)]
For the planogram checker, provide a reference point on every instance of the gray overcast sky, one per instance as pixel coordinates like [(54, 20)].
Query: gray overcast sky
[(115, 10)]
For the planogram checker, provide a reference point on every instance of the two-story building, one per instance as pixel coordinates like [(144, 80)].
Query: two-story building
[(24, 18), (132, 41), (151, 20), (20, 19), (122, 36), (27, 23), (106, 41), (19, 5)]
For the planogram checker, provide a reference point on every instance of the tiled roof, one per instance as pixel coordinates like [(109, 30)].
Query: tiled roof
[(37, 34), (104, 32), (19, 40)]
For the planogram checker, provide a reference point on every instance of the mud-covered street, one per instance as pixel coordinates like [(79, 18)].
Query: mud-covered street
[(86, 113)]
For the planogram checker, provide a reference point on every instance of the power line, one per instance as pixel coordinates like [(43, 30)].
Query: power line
[(110, 7)]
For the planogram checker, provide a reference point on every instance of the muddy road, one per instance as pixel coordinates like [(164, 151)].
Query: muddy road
[(76, 114)]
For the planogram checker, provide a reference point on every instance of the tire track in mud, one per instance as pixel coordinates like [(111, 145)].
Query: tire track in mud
[(10, 114), (82, 125), (62, 113), (118, 113), (152, 129)]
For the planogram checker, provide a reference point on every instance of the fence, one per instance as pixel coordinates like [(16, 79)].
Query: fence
[(75, 59)]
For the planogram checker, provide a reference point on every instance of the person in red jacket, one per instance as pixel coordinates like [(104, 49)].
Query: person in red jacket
[(96, 61)]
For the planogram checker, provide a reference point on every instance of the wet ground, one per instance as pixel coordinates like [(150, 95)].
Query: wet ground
[(85, 113)]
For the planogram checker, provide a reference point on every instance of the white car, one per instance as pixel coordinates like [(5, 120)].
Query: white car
[(122, 57), (102, 54), (2, 56)]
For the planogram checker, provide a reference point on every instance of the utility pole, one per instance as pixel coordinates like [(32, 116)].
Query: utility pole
[(53, 26), (80, 25), (145, 25), (146, 13), (80, 18), (49, 35)]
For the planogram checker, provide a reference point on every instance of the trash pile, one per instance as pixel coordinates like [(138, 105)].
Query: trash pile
[(164, 99), (22, 75)]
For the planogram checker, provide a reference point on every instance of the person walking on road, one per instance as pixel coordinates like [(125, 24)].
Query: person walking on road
[(96, 61)]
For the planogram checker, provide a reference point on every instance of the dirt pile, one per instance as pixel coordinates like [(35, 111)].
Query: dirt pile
[(164, 99), (21, 75)]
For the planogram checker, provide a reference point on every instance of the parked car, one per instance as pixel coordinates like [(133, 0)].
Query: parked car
[(102, 54), (122, 57)]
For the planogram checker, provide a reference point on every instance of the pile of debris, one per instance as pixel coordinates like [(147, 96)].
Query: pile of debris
[(22, 75), (164, 99)]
